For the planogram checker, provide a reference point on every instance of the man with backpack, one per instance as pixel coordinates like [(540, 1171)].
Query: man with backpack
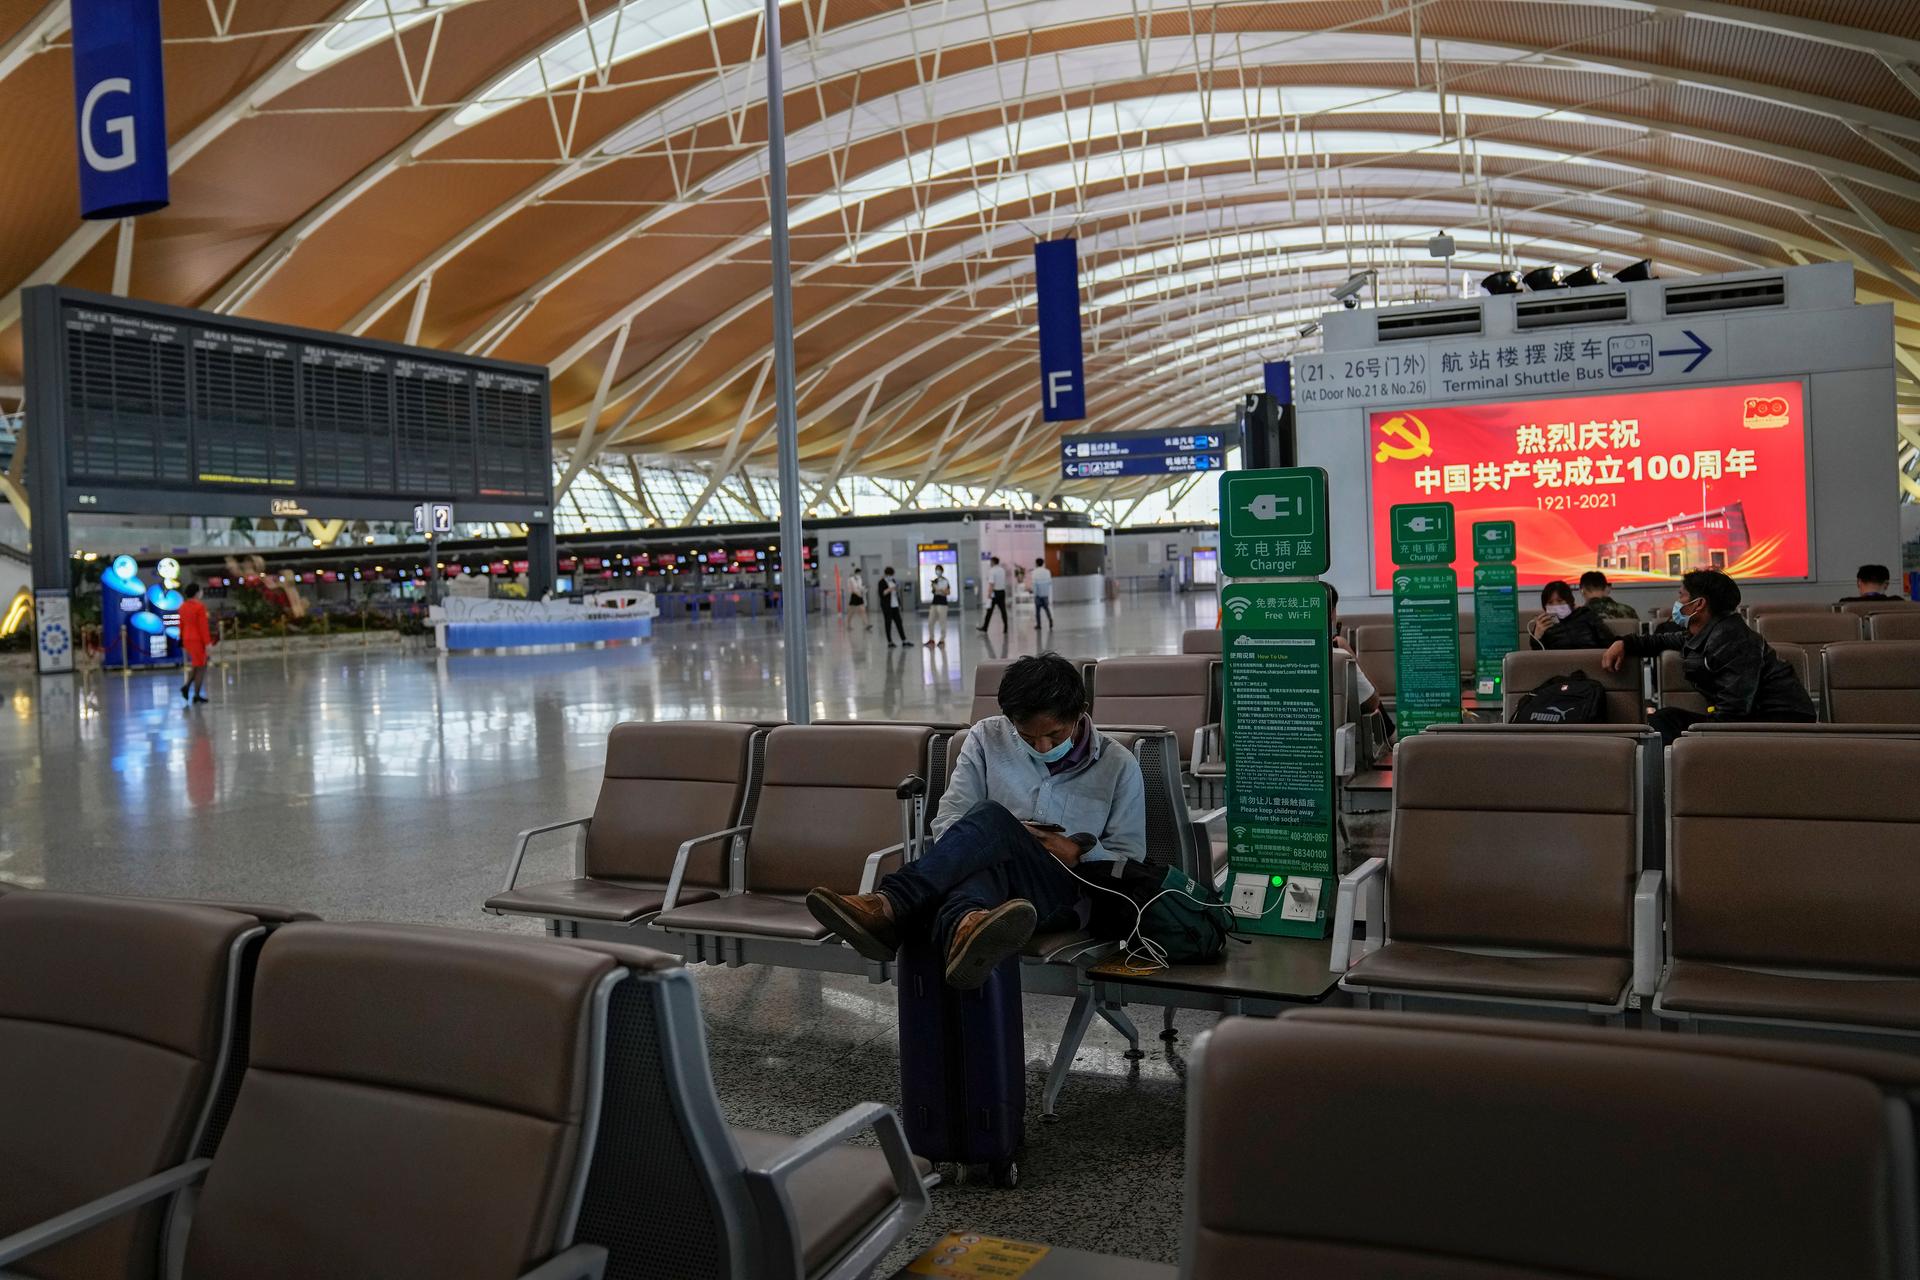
[(1738, 673)]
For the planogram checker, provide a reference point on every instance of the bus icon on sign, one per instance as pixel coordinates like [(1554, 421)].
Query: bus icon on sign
[(1630, 355)]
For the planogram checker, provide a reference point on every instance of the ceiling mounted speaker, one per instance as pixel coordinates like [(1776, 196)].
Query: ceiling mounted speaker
[(1586, 277), (1541, 279), (1641, 270), (1501, 282)]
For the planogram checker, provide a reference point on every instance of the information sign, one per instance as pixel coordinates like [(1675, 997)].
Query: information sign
[(1426, 648), (1276, 646), (1496, 625), (1496, 619), (1421, 533), (1273, 523)]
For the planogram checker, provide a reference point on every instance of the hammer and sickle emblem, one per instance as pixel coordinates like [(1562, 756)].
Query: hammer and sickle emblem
[(1416, 443)]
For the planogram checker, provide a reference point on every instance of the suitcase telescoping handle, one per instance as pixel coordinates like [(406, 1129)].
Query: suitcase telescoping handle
[(912, 793)]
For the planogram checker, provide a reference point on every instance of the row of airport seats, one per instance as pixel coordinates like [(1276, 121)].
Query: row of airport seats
[(706, 837), (1851, 682), (1762, 877), (216, 1092)]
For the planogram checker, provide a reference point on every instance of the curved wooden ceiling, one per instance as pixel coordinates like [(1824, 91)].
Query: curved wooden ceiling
[(1223, 165)]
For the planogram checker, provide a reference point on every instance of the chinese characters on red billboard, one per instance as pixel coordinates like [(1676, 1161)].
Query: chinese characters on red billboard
[(1642, 486)]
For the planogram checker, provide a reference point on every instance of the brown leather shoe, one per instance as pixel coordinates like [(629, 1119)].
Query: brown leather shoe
[(864, 921), (984, 939)]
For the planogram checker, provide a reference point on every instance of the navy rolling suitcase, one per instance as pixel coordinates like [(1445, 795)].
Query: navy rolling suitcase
[(967, 1108)]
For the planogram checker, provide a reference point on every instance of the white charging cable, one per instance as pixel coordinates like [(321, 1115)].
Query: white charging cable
[(1143, 952)]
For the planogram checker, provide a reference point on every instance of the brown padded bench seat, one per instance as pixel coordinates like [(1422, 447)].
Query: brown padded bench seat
[(1457, 1155), (1522, 673), (1873, 682), (435, 1131), (835, 1197), (1200, 640), (1171, 690), (1515, 1148), (1810, 629), (664, 783), (1895, 624), (1511, 868), (1793, 880), (827, 803), (112, 1016)]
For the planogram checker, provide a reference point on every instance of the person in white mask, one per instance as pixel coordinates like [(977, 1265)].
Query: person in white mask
[(1562, 625)]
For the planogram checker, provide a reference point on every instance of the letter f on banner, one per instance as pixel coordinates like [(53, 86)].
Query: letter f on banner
[(120, 105), (1056, 276)]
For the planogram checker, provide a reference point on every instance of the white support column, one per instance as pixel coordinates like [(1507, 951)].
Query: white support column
[(584, 449), (123, 259)]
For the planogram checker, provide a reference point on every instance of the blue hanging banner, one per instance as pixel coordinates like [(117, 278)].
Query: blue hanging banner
[(1056, 278), (120, 102), (1279, 379)]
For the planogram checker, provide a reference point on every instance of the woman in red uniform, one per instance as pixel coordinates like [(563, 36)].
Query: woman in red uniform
[(196, 638)]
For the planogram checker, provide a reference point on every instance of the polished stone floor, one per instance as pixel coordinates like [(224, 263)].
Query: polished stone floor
[(388, 786)]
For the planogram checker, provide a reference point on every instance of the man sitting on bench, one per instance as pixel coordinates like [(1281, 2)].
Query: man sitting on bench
[(1037, 791)]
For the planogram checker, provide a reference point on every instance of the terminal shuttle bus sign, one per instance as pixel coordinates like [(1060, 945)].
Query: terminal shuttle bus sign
[(120, 107), (1056, 278)]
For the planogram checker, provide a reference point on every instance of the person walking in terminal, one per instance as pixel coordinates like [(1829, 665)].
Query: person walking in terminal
[(1870, 582), (1036, 793), (1738, 673), (1598, 594), (1042, 592), (996, 595), (857, 599), (940, 590), (1562, 626), (196, 637), (890, 606)]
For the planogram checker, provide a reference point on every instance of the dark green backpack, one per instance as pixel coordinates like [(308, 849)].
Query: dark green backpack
[(1176, 922)]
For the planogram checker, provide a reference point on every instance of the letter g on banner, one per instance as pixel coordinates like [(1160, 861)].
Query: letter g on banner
[(120, 107), (1056, 281)]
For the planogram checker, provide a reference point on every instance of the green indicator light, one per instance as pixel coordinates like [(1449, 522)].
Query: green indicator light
[(1279, 881)]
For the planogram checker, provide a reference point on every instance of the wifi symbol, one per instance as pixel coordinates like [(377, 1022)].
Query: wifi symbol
[(1238, 608)]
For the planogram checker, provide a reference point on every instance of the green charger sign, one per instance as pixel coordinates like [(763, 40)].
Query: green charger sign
[(1276, 644), (1426, 616), (1496, 608)]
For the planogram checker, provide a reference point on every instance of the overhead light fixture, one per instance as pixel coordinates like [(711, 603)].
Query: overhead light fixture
[(1541, 279), (1501, 282), (1586, 277), (1440, 246), (1641, 270), (1351, 289)]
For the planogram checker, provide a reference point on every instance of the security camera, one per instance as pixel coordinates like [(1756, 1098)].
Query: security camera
[(1310, 328), (1344, 294), (1349, 302)]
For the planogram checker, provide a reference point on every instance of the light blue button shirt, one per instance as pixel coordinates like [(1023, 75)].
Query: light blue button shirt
[(1104, 797)]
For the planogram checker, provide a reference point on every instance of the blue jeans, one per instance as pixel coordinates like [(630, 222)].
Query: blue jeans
[(1042, 604), (984, 860)]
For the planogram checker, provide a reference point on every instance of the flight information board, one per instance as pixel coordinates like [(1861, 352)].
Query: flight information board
[(160, 407)]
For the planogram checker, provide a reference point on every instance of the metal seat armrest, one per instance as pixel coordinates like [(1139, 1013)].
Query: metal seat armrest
[(672, 898), (520, 843), (870, 871), (769, 1182), (1649, 908), (581, 1262), (43, 1235), (1205, 738), (1366, 875)]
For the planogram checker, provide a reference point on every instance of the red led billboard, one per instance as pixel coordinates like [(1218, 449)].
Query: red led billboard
[(1642, 486)]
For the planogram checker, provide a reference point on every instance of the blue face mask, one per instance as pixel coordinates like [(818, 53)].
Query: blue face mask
[(1679, 614), (1054, 756)]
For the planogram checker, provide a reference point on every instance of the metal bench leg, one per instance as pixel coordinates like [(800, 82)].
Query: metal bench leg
[(1070, 1038), (1117, 1018), (1168, 1031)]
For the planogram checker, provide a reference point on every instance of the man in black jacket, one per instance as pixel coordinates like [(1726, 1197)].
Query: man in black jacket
[(1738, 673), (1560, 625)]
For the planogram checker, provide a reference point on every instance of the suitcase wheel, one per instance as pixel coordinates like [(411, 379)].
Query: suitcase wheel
[(1004, 1173)]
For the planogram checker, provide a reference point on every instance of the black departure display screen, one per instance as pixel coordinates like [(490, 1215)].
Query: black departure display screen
[(160, 398)]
